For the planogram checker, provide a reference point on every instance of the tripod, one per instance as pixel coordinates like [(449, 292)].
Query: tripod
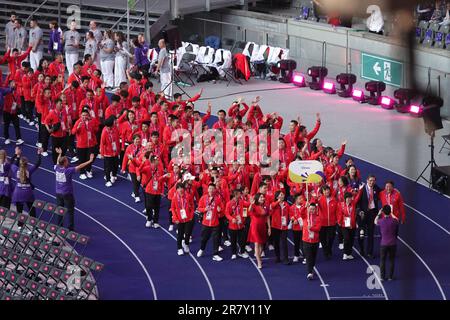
[(431, 164), (172, 54)]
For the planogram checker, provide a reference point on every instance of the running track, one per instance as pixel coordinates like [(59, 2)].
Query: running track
[(142, 263)]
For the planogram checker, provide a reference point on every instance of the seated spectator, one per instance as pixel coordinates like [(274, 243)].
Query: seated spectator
[(446, 20), (437, 13), (424, 11), (375, 22)]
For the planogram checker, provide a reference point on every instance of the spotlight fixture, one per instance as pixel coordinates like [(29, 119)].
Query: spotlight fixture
[(375, 88), (415, 110), (317, 75), (287, 68), (346, 80), (358, 95), (329, 87), (387, 103), (299, 80), (404, 97)]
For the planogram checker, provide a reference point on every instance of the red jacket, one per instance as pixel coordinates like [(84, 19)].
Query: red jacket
[(11, 102), (15, 63), (395, 200), (279, 215), (295, 214), (127, 163), (85, 133), (328, 211), (211, 209), (92, 105), (182, 207), (235, 210), (56, 68), (54, 116), (234, 111), (154, 177), (113, 110), (109, 142), (311, 226), (345, 211)]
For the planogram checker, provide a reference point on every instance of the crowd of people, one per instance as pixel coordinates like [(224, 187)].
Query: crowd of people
[(135, 130)]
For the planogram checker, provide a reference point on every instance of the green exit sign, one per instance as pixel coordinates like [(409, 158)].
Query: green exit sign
[(381, 69)]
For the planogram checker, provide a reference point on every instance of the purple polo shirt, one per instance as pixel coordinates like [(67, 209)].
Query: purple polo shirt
[(389, 231), (64, 179)]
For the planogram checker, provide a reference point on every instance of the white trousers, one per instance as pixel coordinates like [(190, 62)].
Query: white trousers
[(120, 67), (71, 59), (34, 59), (108, 72), (165, 79)]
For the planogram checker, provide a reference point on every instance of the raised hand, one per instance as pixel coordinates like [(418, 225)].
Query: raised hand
[(58, 150)]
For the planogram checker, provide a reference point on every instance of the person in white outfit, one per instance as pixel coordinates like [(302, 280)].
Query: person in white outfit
[(122, 58), (90, 46), (375, 22), (98, 36), (71, 39), (107, 57), (164, 69), (35, 41)]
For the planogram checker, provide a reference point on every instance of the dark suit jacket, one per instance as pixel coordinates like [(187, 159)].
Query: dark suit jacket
[(364, 201)]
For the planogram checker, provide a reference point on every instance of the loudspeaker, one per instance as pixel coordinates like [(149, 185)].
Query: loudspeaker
[(171, 34), (432, 113), (440, 179)]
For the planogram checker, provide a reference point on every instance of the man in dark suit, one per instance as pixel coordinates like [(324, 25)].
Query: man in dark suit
[(368, 209)]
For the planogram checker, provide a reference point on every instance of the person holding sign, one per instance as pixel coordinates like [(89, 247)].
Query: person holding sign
[(183, 216), (64, 186), (347, 221), (236, 213), (295, 214), (311, 228), (210, 206), (279, 212), (260, 220)]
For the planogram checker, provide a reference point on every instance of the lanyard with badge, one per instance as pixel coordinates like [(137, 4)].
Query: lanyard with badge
[(181, 204), (89, 133), (113, 143), (209, 208), (14, 104), (283, 216), (310, 232), (155, 177), (347, 218), (236, 208)]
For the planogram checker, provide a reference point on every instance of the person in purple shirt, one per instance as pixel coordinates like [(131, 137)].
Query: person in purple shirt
[(5, 181), (140, 54), (388, 247), (64, 186), (23, 190), (54, 43)]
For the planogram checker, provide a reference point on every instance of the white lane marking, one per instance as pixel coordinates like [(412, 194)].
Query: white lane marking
[(263, 278)]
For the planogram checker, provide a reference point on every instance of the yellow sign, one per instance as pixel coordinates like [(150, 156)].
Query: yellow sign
[(306, 171)]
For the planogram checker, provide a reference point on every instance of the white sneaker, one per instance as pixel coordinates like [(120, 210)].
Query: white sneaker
[(7, 141), (341, 246), (233, 257), (200, 253), (243, 255), (220, 249), (171, 227), (320, 245), (350, 257), (44, 154), (156, 225), (148, 224), (132, 194), (89, 174), (271, 247), (227, 243), (295, 259), (345, 257), (217, 258), (99, 156), (113, 179), (108, 184), (310, 276), (263, 254), (83, 176), (19, 142), (37, 126), (186, 248), (144, 211), (31, 123), (38, 144), (129, 177), (21, 116), (137, 199), (180, 252), (304, 261), (74, 159), (248, 249)]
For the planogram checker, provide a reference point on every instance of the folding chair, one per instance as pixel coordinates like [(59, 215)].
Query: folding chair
[(238, 47), (430, 33), (185, 68), (204, 57), (446, 139), (420, 31), (439, 38), (447, 41)]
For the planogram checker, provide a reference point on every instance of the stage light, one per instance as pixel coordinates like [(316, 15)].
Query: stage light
[(375, 88), (287, 68), (358, 95), (329, 87), (387, 103), (299, 80), (415, 110), (346, 80), (404, 97), (317, 75)]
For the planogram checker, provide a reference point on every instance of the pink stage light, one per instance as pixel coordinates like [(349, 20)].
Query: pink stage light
[(387, 103), (299, 80), (329, 87), (414, 109), (357, 94)]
